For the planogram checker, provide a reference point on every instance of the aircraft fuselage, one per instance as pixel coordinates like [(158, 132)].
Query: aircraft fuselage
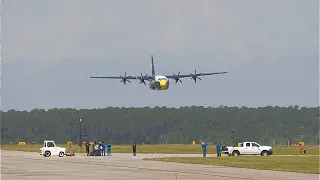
[(159, 83)]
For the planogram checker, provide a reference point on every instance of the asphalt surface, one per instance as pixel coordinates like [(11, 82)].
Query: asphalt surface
[(26, 165)]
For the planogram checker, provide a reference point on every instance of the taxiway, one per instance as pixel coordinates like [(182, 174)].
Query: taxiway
[(28, 165)]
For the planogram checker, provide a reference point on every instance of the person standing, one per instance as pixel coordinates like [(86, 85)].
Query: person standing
[(103, 149), (87, 148), (218, 147), (134, 148), (100, 149), (109, 149), (95, 149), (204, 149)]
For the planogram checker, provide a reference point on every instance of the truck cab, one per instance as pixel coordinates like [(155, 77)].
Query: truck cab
[(49, 148), (248, 148)]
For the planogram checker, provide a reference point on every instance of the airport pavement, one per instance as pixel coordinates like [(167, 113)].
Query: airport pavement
[(27, 165)]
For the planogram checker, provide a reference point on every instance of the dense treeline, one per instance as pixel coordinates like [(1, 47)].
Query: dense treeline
[(266, 125)]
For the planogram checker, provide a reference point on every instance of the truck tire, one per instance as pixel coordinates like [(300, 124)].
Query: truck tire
[(61, 154), (235, 153), (47, 154), (264, 153)]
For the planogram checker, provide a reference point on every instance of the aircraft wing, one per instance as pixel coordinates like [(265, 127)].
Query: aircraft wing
[(122, 77), (193, 75), (111, 77)]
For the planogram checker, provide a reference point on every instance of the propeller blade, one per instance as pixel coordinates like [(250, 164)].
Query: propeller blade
[(142, 82), (195, 76), (142, 79), (176, 77)]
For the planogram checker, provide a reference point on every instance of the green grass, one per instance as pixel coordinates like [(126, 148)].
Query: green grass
[(301, 164), (166, 149)]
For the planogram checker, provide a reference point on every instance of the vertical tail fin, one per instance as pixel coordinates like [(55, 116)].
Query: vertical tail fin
[(152, 65)]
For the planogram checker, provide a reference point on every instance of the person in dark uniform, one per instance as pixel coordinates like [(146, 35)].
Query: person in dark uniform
[(109, 149), (103, 149), (204, 149), (218, 149), (100, 148), (87, 148), (134, 148)]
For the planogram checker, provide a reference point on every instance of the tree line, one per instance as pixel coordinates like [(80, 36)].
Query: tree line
[(265, 125)]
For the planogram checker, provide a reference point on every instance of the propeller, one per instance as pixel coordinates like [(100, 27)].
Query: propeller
[(125, 78), (177, 77), (142, 79), (195, 76)]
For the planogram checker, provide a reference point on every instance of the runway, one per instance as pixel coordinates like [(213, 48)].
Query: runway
[(27, 165)]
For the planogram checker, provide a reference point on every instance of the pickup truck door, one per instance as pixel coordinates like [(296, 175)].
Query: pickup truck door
[(255, 148), (247, 149)]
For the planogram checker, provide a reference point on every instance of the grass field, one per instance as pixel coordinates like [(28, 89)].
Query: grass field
[(302, 164), (165, 149)]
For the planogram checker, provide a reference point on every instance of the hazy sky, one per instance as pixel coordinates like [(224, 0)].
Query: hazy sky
[(50, 48)]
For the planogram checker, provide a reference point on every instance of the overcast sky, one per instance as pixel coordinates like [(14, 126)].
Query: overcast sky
[(49, 49)]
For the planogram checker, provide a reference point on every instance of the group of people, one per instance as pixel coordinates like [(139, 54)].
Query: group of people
[(204, 149), (100, 148)]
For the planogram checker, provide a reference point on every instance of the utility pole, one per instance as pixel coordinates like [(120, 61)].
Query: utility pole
[(80, 135), (80, 140), (233, 131)]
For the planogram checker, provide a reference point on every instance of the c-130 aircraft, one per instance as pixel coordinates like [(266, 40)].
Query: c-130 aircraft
[(158, 82)]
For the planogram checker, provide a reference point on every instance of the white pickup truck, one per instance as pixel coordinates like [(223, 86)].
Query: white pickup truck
[(49, 148), (248, 148)]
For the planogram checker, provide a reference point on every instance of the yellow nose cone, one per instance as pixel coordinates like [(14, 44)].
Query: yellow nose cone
[(163, 84)]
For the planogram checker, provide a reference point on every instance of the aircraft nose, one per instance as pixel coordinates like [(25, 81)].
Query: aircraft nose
[(163, 84)]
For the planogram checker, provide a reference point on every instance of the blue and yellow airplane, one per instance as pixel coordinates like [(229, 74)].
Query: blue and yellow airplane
[(158, 82)]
